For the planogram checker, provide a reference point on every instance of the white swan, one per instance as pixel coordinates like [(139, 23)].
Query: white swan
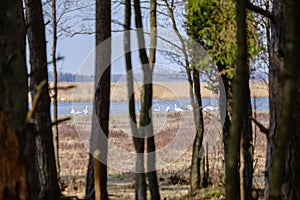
[(85, 111), (177, 109), (190, 107), (168, 109), (75, 112), (210, 108)]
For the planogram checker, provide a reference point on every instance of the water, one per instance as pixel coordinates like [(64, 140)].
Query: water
[(64, 108)]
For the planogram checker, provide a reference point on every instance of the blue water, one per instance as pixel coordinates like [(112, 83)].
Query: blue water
[(64, 108)]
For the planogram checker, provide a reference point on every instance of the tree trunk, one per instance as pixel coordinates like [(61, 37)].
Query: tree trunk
[(140, 189), (17, 174), (45, 159), (225, 104), (146, 127), (240, 131), (276, 63), (284, 179), (54, 46), (100, 123), (151, 168), (198, 179)]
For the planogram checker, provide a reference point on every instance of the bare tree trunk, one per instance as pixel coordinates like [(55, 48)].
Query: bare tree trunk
[(100, 123), (17, 174), (140, 189), (146, 127), (54, 46), (284, 179), (45, 159), (198, 179), (276, 63), (240, 118)]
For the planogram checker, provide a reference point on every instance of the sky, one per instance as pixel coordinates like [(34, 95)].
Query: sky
[(76, 51)]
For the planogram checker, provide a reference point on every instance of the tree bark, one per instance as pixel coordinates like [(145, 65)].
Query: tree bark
[(54, 96), (45, 159), (198, 178), (17, 174), (100, 122), (276, 63), (146, 127), (240, 132), (284, 179), (140, 189)]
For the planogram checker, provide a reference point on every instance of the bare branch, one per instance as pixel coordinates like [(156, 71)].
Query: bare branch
[(261, 127), (259, 10), (61, 120)]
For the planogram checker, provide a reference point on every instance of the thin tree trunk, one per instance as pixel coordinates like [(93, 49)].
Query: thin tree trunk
[(45, 158), (241, 94), (54, 46), (146, 127), (17, 175), (100, 121), (198, 179), (225, 103), (140, 189), (151, 168)]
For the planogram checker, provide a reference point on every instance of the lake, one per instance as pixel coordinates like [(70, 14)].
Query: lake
[(64, 108)]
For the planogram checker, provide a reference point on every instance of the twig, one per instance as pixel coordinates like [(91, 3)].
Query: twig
[(61, 120), (259, 10), (261, 127), (36, 100)]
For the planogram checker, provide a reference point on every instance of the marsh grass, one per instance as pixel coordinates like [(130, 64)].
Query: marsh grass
[(173, 178)]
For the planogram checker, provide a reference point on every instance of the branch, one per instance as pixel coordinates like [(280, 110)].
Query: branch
[(259, 10), (30, 113), (260, 126), (61, 120)]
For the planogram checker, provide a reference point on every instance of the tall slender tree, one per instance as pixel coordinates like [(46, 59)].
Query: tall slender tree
[(240, 188), (100, 128), (45, 159), (140, 189), (146, 126), (54, 96)]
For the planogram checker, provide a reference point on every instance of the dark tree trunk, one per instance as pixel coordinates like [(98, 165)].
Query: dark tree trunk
[(284, 179), (240, 132), (54, 47), (225, 104), (146, 128), (100, 123), (17, 174), (140, 189), (276, 63), (45, 159), (198, 179)]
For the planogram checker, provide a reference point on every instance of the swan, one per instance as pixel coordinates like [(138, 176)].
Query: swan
[(85, 111), (168, 109), (178, 109), (210, 108), (189, 107), (75, 112)]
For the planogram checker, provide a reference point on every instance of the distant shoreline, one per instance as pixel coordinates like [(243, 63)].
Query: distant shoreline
[(83, 91)]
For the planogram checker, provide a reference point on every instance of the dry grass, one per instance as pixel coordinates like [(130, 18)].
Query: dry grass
[(84, 91), (173, 177)]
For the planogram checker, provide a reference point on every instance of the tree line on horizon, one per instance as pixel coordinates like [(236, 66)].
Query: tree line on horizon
[(236, 35)]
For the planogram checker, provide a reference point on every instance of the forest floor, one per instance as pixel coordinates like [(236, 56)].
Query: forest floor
[(174, 134)]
